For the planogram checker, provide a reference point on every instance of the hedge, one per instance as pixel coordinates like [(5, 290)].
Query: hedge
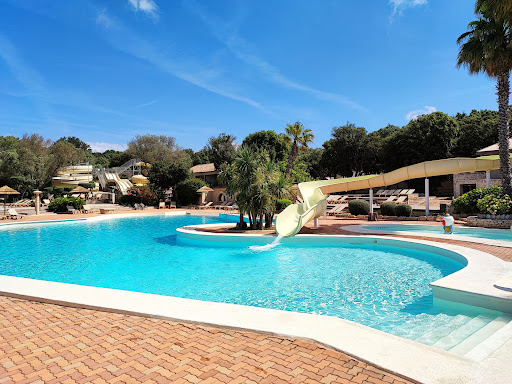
[(60, 204), (468, 202), (186, 191), (359, 207), (388, 209), (403, 210), (282, 204)]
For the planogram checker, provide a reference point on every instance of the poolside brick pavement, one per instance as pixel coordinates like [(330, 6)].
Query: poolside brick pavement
[(45, 343)]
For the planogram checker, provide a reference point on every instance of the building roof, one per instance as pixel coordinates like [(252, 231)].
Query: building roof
[(203, 168), (493, 149)]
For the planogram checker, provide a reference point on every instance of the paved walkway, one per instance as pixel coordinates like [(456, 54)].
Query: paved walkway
[(43, 343)]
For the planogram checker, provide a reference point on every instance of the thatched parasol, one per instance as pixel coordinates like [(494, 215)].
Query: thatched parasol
[(5, 190), (204, 191), (79, 190)]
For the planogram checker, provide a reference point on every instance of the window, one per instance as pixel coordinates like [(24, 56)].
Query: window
[(465, 188)]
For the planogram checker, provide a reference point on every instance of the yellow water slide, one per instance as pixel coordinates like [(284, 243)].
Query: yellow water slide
[(72, 175), (295, 216)]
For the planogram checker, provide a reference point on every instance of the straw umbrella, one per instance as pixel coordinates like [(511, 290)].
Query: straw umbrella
[(204, 191), (79, 190), (5, 190)]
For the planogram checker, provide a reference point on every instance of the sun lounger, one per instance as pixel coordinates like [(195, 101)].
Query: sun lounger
[(337, 209), (401, 200), (87, 209), (220, 206), (409, 192), (72, 209), (205, 206), (379, 192), (161, 205), (45, 202), (390, 199), (12, 214), (172, 204), (332, 198)]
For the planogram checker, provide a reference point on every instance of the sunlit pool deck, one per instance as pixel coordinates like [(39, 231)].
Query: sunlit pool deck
[(105, 335)]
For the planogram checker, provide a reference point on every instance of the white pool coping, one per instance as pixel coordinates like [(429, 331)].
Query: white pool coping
[(403, 357), (453, 236)]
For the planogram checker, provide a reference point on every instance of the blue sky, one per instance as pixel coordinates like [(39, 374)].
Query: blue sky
[(106, 71)]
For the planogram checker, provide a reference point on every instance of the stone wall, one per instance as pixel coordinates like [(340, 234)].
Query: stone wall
[(500, 221), (477, 178)]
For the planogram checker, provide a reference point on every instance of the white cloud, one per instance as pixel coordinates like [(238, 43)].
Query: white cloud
[(244, 52), (147, 6), (102, 147), (146, 104), (418, 112), (104, 19), (400, 5)]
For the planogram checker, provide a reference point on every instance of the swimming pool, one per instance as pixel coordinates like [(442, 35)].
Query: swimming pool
[(486, 233), (384, 287)]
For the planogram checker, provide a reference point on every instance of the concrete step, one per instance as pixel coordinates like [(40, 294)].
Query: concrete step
[(494, 341), (477, 338), (460, 334)]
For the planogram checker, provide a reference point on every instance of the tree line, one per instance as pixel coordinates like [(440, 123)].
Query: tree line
[(28, 163)]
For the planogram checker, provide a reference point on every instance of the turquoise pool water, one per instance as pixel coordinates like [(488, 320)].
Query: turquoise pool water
[(485, 233), (380, 286)]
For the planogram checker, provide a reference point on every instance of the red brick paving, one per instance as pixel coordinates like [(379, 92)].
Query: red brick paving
[(45, 343)]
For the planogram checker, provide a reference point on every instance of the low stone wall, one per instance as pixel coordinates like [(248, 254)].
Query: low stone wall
[(501, 221)]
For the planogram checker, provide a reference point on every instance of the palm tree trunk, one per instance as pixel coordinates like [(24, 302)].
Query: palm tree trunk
[(294, 153), (503, 87)]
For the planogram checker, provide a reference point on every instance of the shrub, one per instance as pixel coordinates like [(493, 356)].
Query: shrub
[(359, 207), (186, 191), (60, 204), (89, 185), (495, 204), (282, 204), (467, 203), (138, 195), (388, 209), (403, 210)]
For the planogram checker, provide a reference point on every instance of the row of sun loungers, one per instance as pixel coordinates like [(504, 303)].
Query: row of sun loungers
[(12, 215), (394, 192)]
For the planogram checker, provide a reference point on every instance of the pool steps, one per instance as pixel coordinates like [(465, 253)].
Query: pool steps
[(492, 342)]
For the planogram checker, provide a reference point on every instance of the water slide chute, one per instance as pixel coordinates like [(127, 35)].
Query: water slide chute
[(295, 216), (73, 175)]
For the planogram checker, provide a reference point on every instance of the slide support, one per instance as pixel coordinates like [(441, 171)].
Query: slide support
[(427, 197), (488, 178), (371, 201), (316, 223)]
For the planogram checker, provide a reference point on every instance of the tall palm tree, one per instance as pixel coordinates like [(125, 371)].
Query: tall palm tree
[(499, 8), (486, 47), (299, 136)]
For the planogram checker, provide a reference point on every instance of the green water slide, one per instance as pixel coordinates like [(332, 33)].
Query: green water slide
[(295, 216)]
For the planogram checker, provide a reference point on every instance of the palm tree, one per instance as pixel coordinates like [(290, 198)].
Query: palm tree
[(299, 136), (486, 47), (501, 9)]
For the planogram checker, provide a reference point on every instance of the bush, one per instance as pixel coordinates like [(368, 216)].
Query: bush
[(60, 204), (186, 191), (495, 204), (89, 185), (282, 204), (138, 195), (467, 203), (403, 210), (388, 209), (359, 207)]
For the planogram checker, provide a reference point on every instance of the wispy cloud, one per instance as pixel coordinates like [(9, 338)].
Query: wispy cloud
[(103, 19), (102, 147), (400, 5), (148, 7), (187, 70), (243, 51), (418, 112), (146, 104)]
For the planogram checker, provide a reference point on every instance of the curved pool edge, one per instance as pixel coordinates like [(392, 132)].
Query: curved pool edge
[(454, 236), (399, 356), (472, 285)]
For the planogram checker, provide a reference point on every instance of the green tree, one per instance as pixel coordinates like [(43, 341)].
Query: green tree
[(77, 143), (477, 131), (186, 191), (428, 137), (163, 175), (256, 183), (487, 48), (276, 146), (374, 158), (300, 137), (219, 150), (152, 148), (343, 155)]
